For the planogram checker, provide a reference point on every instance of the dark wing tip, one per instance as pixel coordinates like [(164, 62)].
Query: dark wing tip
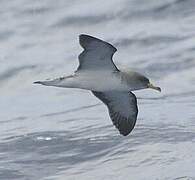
[(123, 124), (126, 131), (86, 36), (37, 82), (85, 39)]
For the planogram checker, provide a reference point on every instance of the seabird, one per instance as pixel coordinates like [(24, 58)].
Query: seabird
[(98, 73)]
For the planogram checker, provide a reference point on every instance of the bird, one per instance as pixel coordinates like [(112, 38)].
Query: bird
[(98, 73)]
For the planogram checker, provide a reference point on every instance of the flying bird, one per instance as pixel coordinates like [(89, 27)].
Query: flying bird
[(98, 73)]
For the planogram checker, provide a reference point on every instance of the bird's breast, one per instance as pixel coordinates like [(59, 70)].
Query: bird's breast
[(100, 81)]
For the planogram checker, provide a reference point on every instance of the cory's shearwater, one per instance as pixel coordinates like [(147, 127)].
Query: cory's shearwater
[(98, 73)]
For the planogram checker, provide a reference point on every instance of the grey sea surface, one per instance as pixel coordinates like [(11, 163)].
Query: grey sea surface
[(49, 133)]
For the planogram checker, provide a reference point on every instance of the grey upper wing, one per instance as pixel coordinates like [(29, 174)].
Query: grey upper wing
[(122, 109), (97, 54)]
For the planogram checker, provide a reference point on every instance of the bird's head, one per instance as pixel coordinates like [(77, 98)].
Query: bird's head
[(147, 84), (151, 86), (141, 82)]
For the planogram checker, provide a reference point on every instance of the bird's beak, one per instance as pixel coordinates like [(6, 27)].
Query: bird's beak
[(151, 86)]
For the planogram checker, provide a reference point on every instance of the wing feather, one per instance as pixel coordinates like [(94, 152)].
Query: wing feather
[(122, 109), (97, 54)]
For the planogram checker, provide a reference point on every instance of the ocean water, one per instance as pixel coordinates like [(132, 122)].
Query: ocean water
[(49, 133)]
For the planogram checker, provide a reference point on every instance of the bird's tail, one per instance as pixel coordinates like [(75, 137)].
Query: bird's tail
[(58, 82), (46, 82)]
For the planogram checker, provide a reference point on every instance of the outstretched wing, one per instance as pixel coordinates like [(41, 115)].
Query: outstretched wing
[(97, 54), (122, 109)]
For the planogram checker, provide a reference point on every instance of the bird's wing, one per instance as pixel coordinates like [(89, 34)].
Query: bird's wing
[(97, 54), (122, 109)]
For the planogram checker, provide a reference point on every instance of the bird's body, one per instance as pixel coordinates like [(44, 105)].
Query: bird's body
[(98, 73), (107, 81)]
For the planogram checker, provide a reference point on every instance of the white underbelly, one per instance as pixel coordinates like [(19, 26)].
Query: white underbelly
[(101, 81)]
